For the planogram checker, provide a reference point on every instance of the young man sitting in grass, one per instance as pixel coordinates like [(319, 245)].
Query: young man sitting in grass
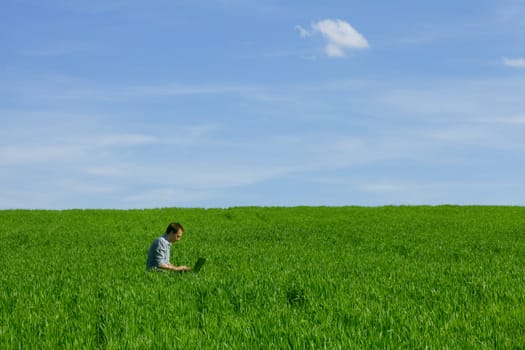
[(159, 251)]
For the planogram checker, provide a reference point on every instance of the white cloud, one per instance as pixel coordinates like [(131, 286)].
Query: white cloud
[(514, 62), (340, 35)]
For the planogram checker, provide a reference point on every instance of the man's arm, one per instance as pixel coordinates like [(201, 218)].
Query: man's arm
[(173, 267), (160, 254)]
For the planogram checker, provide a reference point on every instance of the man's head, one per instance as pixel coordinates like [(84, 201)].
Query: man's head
[(174, 232)]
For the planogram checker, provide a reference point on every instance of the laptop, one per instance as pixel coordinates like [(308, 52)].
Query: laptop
[(198, 265)]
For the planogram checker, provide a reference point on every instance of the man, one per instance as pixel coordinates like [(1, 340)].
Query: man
[(159, 251)]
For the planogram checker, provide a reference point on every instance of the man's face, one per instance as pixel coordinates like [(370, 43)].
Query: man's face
[(174, 237)]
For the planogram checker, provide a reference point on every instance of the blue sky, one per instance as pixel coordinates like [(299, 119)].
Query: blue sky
[(220, 103)]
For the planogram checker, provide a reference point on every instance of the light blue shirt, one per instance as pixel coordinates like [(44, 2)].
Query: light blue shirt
[(159, 253)]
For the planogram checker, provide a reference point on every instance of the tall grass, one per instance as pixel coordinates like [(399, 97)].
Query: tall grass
[(304, 277)]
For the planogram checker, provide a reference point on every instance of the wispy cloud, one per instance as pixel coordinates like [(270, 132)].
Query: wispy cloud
[(70, 143), (511, 12), (134, 162), (67, 89), (436, 191), (58, 49), (340, 36), (303, 32), (448, 100), (511, 119), (126, 140), (514, 62), (167, 196), (58, 147), (35, 154)]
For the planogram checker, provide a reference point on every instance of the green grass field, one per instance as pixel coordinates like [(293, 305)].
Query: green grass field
[(275, 278)]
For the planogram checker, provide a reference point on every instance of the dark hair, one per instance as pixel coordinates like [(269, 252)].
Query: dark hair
[(174, 227)]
